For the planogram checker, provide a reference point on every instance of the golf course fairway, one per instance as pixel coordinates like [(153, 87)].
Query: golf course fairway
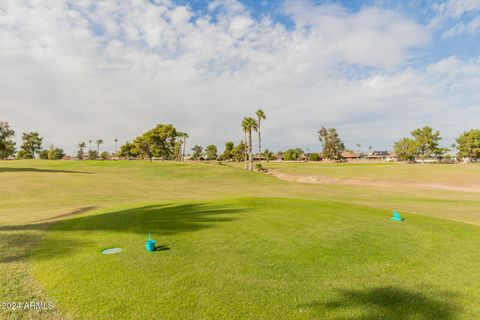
[(276, 250)]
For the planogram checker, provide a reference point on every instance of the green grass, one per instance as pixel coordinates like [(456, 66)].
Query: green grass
[(236, 245), (451, 174)]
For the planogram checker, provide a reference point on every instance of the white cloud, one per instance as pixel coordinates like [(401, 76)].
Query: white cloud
[(457, 8), (372, 36), (88, 69), (471, 27), (463, 14)]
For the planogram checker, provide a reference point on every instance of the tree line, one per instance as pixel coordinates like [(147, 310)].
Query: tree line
[(165, 142), (32, 145), (424, 143)]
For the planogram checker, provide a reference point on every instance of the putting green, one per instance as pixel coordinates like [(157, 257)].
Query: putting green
[(259, 258)]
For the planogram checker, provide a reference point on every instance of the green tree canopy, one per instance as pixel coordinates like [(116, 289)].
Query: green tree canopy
[(229, 152), (22, 154), (158, 142), (332, 146), (43, 154), (32, 144), (405, 148), (80, 152), (292, 154), (7, 146), (197, 152), (468, 144), (427, 142), (240, 152), (105, 155), (98, 142), (56, 153), (92, 154), (268, 155), (314, 157), (128, 150), (211, 152)]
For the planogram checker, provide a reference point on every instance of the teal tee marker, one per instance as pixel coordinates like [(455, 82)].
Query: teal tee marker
[(396, 216), (150, 245)]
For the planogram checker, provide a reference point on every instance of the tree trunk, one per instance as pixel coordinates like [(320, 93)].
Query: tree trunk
[(250, 162), (183, 153), (259, 143), (245, 150)]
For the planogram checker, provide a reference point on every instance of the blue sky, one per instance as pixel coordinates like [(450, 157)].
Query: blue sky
[(76, 70)]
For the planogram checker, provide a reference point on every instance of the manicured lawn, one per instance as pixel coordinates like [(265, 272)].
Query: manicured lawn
[(260, 258), (452, 174), (236, 245)]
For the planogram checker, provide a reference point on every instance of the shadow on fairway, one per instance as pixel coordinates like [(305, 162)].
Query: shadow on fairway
[(391, 303), (158, 219), (163, 219), (3, 169), (68, 214), (162, 248)]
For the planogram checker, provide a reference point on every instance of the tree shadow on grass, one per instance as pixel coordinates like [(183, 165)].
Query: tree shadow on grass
[(9, 169), (391, 303), (161, 219)]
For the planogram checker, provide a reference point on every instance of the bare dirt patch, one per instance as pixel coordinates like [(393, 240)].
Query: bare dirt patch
[(319, 179)]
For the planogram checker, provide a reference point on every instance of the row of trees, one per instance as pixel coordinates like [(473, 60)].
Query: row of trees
[(31, 145), (93, 154), (166, 143), (249, 124), (424, 143)]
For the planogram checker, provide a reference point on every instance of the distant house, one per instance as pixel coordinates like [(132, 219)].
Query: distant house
[(279, 156), (381, 156), (392, 157), (259, 157), (304, 157), (349, 155)]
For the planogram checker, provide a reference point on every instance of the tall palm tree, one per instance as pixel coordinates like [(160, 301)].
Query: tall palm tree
[(98, 143), (89, 145), (81, 145), (184, 136), (248, 125), (245, 129), (260, 115), (116, 146)]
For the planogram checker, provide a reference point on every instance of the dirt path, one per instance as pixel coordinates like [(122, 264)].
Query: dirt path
[(318, 179)]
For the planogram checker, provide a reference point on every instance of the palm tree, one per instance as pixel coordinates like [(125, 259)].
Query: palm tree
[(98, 143), (245, 129), (260, 115), (116, 147), (184, 136), (249, 124), (89, 145), (81, 145)]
